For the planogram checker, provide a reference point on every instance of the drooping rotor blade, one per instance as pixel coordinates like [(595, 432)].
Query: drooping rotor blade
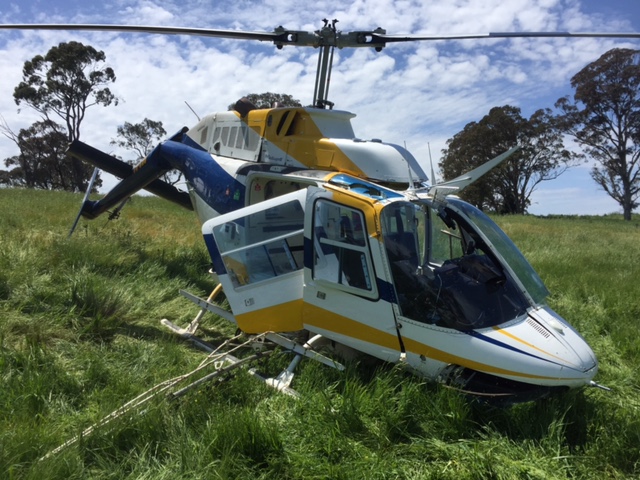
[(202, 32), (280, 36), (384, 38)]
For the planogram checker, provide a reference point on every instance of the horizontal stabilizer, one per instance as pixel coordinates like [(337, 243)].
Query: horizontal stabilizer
[(142, 178)]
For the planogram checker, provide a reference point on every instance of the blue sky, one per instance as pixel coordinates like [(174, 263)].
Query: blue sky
[(419, 94)]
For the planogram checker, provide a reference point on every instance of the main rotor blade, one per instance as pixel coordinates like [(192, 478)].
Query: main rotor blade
[(384, 38), (324, 37), (201, 32)]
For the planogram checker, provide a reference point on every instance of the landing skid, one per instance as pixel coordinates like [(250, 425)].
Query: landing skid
[(267, 341)]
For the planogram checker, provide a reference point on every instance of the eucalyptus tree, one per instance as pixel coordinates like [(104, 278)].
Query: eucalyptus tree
[(604, 119), (508, 188), (64, 83), (269, 99), (140, 139)]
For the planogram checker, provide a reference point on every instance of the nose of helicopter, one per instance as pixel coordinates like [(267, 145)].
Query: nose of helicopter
[(560, 348), (558, 325)]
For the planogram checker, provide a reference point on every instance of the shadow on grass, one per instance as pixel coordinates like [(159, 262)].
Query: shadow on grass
[(567, 416)]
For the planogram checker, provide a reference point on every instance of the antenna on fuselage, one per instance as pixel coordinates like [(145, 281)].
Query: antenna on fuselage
[(433, 175), (194, 112), (412, 187)]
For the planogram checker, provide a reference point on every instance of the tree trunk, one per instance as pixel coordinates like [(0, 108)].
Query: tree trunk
[(627, 208)]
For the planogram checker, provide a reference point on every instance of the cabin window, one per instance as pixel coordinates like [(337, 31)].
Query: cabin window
[(225, 135), (262, 245), (341, 253), (216, 135), (241, 141), (232, 136), (203, 135), (252, 140), (215, 140)]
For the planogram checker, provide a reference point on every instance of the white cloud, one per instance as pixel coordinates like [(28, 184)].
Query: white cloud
[(148, 13)]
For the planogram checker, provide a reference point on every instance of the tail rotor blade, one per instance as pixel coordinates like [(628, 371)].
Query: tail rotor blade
[(84, 200)]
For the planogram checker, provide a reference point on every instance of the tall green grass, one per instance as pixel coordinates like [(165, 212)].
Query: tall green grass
[(80, 336)]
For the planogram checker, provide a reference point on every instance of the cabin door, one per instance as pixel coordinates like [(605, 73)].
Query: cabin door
[(257, 253), (344, 286)]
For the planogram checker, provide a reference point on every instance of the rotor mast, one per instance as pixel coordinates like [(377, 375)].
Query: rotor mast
[(326, 40), (327, 43)]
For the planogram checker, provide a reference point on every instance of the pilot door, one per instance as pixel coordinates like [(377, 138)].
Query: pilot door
[(258, 254), (344, 288)]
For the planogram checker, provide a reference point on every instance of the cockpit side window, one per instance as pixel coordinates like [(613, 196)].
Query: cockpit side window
[(341, 251), (446, 241), (404, 233), (455, 281)]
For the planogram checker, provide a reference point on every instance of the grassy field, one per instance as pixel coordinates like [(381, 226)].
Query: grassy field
[(80, 336)]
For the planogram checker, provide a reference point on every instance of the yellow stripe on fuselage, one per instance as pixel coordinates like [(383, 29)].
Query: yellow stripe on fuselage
[(286, 317), (326, 320), (513, 337)]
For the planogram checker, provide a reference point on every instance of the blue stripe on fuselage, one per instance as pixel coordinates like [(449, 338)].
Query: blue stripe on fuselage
[(216, 258), (493, 341), (217, 187)]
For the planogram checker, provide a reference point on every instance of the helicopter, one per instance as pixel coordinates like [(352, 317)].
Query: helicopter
[(311, 229)]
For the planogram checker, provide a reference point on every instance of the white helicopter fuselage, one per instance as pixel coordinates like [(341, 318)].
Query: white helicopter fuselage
[(308, 229), (304, 237), (360, 265)]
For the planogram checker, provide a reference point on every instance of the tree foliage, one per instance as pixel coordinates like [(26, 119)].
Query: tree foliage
[(139, 138), (63, 83), (508, 188), (269, 100), (604, 118), (42, 161)]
